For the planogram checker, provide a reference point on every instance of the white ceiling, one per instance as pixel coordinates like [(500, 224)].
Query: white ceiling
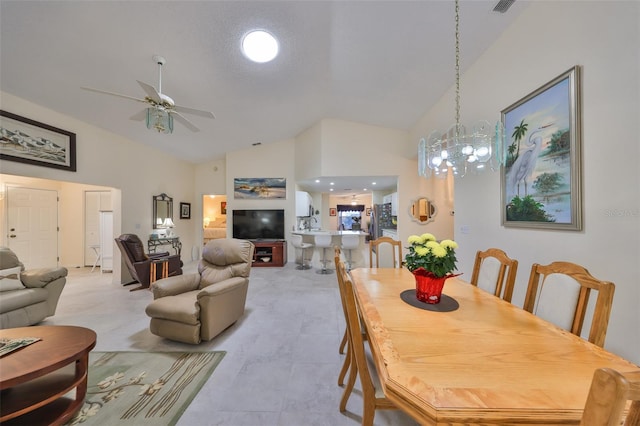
[(378, 62)]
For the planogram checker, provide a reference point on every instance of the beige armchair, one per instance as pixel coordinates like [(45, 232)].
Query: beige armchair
[(27, 297), (194, 307)]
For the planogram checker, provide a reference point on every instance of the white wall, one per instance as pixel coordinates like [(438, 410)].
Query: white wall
[(545, 41), (106, 159)]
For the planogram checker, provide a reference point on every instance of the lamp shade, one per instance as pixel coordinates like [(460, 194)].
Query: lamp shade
[(159, 119), (168, 223)]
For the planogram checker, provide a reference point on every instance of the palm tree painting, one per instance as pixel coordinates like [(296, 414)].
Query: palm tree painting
[(540, 180)]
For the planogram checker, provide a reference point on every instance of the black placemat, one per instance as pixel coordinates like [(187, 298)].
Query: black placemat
[(447, 303)]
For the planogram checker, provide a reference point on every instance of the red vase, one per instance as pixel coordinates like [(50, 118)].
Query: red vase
[(428, 286)]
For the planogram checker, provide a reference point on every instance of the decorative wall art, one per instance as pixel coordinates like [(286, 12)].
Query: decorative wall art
[(541, 180), (31, 142), (332, 211), (185, 210), (260, 188), (223, 207)]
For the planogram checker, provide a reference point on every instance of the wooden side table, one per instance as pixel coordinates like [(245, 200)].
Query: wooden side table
[(164, 271), (35, 379)]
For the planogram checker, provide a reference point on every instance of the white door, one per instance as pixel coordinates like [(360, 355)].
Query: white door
[(94, 202), (32, 221)]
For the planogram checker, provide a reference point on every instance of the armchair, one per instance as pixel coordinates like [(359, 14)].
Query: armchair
[(194, 307), (139, 264), (27, 297)]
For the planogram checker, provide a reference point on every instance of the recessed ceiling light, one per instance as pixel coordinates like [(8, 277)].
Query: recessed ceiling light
[(259, 46), (317, 180)]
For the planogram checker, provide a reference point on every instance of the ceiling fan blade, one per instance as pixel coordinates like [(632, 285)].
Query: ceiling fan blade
[(139, 116), (150, 91), (199, 112), (104, 92), (189, 125)]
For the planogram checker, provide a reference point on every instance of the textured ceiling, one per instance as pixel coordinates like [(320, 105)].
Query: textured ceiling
[(377, 62)]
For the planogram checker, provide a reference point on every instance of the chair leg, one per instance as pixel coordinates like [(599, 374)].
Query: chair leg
[(343, 342), (303, 264), (353, 372), (324, 262), (345, 368)]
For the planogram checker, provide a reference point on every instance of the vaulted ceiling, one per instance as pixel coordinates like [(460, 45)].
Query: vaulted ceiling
[(377, 62)]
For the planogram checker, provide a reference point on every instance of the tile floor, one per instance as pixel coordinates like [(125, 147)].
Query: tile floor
[(282, 359)]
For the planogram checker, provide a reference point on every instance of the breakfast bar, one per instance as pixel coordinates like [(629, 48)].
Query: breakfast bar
[(485, 362), (358, 257)]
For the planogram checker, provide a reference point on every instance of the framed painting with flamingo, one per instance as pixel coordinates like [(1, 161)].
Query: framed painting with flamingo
[(541, 178)]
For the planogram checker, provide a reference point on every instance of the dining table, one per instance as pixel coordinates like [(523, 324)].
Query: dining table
[(473, 358)]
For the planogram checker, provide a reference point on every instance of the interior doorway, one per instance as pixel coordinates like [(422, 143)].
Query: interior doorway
[(214, 217)]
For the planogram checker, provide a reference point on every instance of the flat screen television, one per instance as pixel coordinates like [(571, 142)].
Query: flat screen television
[(258, 224)]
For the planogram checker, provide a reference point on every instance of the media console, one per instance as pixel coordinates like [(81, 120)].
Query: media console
[(269, 252)]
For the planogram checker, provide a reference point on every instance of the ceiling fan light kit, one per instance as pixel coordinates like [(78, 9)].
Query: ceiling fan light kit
[(162, 110)]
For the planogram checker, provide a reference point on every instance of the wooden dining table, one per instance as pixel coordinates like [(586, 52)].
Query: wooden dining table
[(484, 361)]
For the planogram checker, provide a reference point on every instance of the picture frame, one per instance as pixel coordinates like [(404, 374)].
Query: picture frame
[(368, 211), (223, 207), (332, 211), (32, 142), (185, 210), (260, 188), (541, 181)]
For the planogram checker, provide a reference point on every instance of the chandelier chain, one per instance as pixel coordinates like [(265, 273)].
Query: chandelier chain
[(457, 69)]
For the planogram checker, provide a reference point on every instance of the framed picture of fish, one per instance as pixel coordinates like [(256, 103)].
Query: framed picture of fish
[(541, 179), (31, 142)]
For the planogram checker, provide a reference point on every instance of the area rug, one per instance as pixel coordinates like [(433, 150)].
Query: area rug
[(140, 388)]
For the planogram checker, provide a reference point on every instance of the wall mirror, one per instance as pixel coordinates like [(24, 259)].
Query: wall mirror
[(162, 210), (422, 210)]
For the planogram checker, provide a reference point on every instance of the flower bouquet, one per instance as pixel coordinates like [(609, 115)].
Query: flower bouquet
[(431, 263)]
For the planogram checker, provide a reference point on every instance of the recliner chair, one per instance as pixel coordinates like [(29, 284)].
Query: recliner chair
[(139, 264), (194, 307)]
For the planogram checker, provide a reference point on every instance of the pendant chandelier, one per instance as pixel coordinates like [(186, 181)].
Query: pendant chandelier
[(457, 151)]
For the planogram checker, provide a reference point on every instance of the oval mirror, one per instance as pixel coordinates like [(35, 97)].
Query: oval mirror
[(422, 210)]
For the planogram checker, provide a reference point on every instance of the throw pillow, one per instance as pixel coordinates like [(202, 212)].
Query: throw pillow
[(10, 279)]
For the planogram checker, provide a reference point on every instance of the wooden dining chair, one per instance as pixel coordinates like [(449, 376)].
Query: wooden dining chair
[(343, 342), (608, 396), (559, 293), (396, 251), (495, 272), (372, 393)]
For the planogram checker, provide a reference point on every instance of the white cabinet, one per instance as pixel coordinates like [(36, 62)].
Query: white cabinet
[(304, 204), (106, 241), (394, 204)]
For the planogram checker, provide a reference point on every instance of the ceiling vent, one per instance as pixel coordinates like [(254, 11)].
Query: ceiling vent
[(503, 5)]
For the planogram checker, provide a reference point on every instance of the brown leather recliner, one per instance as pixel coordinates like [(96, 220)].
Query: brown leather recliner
[(139, 264), (199, 306)]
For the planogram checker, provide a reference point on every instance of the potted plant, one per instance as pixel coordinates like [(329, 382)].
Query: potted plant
[(431, 263)]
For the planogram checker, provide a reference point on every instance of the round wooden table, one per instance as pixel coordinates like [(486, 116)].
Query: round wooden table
[(35, 378)]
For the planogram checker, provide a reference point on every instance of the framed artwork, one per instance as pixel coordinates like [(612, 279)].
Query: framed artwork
[(260, 188), (332, 211), (185, 210), (31, 142), (368, 211), (223, 207), (541, 180)]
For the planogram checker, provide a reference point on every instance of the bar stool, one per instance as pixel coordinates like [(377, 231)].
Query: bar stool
[(296, 241), (324, 242), (349, 243)]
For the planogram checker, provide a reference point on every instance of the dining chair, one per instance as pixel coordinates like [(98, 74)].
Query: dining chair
[(346, 348), (559, 293), (343, 342), (490, 270), (373, 396), (396, 251), (608, 396)]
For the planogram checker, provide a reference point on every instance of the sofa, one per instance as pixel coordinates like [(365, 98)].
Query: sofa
[(194, 307), (27, 297)]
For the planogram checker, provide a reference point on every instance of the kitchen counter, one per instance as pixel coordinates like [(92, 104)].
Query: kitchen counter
[(358, 255), (324, 232)]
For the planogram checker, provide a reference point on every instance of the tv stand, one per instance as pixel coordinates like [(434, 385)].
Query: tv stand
[(269, 253)]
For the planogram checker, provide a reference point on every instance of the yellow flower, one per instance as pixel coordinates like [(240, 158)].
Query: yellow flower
[(428, 237), (439, 251), (415, 239), (422, 250), (449, 244), (432, 244)]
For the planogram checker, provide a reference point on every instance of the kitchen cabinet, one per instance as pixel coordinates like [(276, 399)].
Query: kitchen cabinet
[(393, 200), (304, 204)]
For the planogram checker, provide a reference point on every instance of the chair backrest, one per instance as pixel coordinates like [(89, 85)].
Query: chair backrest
[(608, 396), (396, 250), (322, 240), (296, 240), (490, 270), (132, 251), (559, 293), (350, 241), (224, 258)]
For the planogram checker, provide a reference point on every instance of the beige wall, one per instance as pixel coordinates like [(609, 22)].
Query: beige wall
[(545, 41)]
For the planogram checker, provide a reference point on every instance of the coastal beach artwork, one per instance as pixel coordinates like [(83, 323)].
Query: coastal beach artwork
[(28, 141), (260, 188)]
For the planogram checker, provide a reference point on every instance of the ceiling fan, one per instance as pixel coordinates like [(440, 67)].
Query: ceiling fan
[(162, 109)]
